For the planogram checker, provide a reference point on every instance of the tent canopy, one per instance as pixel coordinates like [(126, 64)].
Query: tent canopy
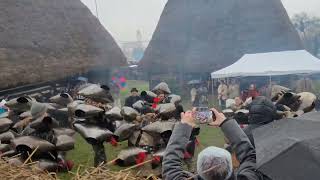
[(271, 64)]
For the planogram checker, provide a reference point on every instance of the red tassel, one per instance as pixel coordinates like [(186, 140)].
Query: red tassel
[(187, 155), (141, 157), (66, 165), (156, 100), (156, 159), (69, 165), (113, 142), (154, 106)]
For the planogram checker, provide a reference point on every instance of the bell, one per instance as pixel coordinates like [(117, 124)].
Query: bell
[(64, 143), (125, 131), (74, 104), (47, 165), (63, 131), (97, 93), (151, 94), (166, 108), (30, 143), (63, 111), (93, 134), (128, 157), (148, 140), (87, 111), (138, 105), (159, 127), (6, 137), (139, 138), (5, 124), (132, 141), (162, 87), (166, 111), (114, 114), (129, 114), (62, 99), (44, 123), (20, 104)]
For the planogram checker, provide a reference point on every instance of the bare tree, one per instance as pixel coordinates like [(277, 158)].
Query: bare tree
[(309, 28)]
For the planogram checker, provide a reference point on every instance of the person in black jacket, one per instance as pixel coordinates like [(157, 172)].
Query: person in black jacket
[(261, 112), (213, 163), (133, 98)]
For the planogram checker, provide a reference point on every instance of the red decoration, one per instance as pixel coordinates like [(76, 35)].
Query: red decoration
[(156, 100), (155, 103), (113, 142), (141, 157), (156, 159), (70, 165), (154, 106), (67, 165), (187, 155)]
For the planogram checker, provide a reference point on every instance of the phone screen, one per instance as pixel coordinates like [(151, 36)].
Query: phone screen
[(203, 115)]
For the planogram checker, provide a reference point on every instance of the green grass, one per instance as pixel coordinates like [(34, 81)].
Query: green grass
[(83, 153)]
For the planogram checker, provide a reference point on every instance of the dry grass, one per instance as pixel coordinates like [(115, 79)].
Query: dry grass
[(24, 172), (104, 173)]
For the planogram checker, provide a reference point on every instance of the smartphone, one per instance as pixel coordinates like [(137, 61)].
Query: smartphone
[(204, 115)]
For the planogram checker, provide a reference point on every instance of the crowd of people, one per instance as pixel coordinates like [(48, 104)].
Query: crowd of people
[(153, 123), (238, 159)]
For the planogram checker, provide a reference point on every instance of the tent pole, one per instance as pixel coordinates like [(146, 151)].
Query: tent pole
[(212, 85), (270, 85)]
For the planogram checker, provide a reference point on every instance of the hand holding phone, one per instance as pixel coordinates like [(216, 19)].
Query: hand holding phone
[(218, 118), (204, 115)]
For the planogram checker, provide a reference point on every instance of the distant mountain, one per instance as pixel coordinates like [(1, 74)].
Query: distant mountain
[(200, 36), (42, 40)]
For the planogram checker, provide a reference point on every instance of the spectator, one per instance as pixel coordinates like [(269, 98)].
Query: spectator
[(234, 89), (3, 108), (193, 94), (133, 98), (261, 111), (253, 92), (238, 104), (213, 163), (222, 94)]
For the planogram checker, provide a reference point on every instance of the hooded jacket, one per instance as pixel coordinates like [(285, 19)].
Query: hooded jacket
[(261, 111)]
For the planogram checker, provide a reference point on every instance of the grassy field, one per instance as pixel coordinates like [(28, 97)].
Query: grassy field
[(83, 153)]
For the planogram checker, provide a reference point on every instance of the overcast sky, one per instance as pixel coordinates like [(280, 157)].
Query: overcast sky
[(122, 18)]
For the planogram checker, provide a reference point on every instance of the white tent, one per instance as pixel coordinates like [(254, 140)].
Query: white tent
[(271, 64)]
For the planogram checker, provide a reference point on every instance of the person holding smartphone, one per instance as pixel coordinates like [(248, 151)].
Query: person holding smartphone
[(213, 163)]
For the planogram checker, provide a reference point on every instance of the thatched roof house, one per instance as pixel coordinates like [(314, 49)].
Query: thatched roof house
[(42, 40), (200, 36)]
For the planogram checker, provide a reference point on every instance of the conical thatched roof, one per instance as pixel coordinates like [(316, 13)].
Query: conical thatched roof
[(43, 40), (206, 35)]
